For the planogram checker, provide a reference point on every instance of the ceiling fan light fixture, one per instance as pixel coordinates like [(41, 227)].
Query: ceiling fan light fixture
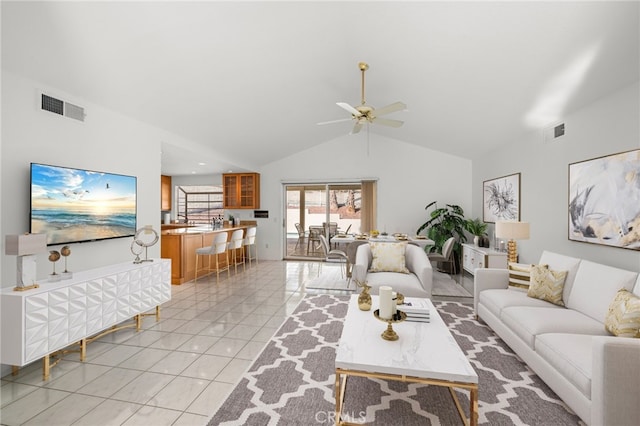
[(364, 113)]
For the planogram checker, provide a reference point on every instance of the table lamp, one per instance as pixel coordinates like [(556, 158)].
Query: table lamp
[(25, 246), (512, 231)]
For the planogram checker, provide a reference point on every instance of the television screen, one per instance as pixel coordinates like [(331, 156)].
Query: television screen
[(73, 205)]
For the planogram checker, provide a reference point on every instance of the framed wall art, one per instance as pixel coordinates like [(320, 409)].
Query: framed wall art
[(604, 200), (501, 198)]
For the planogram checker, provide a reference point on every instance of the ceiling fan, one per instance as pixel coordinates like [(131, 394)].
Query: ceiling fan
[(364, 113)]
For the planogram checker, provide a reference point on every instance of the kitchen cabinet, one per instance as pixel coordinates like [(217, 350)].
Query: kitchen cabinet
[(165, 193), (241, 190)]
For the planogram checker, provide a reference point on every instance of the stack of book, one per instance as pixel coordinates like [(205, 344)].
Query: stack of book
[(416, 310)]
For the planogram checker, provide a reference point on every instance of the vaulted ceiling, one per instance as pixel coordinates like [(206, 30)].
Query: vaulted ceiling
[(246, 82)]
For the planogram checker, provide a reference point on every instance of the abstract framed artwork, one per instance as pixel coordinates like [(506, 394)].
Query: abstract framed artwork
[(501, 198), (604, 200)]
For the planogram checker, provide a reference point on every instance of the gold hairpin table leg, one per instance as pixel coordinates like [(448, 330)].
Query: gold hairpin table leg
[(14, 370)]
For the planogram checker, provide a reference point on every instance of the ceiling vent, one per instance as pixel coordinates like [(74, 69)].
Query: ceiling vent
[(60, 107), (553, 132)]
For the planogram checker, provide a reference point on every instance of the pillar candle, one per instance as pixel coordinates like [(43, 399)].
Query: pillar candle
[(386, 309), (394, 302)]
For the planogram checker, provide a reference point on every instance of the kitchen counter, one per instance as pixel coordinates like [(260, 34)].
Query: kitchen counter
[(180, 244)]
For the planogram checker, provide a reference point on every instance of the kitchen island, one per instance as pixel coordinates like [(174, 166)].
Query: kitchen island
[(180, 243)]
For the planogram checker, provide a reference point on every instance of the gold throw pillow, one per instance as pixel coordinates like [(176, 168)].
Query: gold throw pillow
[(388, 257), (519, 274), (547, 284), (623, 317)]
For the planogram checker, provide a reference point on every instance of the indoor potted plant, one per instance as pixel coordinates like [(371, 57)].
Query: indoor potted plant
[(478, 229), (444, 223)]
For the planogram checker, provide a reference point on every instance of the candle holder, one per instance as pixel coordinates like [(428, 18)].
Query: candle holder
[(389, 333)]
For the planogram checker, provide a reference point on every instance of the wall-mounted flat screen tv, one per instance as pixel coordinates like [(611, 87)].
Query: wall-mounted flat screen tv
[(75, 205)]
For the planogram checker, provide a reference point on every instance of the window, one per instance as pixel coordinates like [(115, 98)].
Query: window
[(199, 204)]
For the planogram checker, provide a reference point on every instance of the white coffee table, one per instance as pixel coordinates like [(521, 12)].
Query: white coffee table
[(424, 353)]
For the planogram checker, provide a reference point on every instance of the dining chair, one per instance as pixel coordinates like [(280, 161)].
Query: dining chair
[(313, 242), (446, 256), (334, 254), (301, 235), (235, 244), (248, 242), (218, 247)]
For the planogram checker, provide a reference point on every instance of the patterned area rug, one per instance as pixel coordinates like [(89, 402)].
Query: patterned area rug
[(292, 381)]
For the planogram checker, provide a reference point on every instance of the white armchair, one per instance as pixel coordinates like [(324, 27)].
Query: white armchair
[(418, 283)]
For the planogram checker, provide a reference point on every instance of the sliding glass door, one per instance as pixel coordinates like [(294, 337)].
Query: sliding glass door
[(319, 208)]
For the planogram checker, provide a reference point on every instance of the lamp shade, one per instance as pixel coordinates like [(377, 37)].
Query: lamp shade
[(512, 230), (25, 244)]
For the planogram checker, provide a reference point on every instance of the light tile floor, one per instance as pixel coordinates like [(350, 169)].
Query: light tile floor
[(173, 372)]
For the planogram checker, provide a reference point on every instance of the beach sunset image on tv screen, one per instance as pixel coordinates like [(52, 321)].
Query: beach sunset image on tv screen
[(73, 205)]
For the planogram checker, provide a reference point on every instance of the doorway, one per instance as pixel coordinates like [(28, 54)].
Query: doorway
[(319, 208)]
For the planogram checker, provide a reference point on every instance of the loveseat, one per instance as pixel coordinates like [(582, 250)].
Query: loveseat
[(417, 282), (595, 373)]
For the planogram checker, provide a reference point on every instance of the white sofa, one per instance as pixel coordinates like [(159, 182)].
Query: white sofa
[(417, 283), (596, 374)]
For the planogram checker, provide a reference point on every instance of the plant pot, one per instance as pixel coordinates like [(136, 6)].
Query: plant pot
[(476, 240)]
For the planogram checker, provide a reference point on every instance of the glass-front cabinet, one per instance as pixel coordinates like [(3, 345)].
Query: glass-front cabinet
[(241, 190)]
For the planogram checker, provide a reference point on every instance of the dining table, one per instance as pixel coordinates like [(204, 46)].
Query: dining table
[(349, 238)]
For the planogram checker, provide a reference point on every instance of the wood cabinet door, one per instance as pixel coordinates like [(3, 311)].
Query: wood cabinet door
[(165, 193), (241, 190)]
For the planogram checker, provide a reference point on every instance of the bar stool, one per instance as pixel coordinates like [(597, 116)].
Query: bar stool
[(237, 237), (250, 240), (218, 247)]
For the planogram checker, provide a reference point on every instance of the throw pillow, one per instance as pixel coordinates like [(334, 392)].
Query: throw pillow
[(623, 317), (388, 257), (547, 284), (519, 274)]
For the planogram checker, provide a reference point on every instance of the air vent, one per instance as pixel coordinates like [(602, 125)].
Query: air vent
[(553, 132), (52, 105), (60, 107)]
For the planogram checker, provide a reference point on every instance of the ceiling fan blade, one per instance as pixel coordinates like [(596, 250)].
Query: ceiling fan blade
[(396, 106), (334, 121), (356, 128), (349, 108), (388, 122)]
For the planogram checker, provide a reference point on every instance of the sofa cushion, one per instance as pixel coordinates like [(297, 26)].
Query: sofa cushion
[(388, 257), (571, 355), (407, 284), (547, 284), (623, 317), (559, 262), (529, 322), (595, 287), (495, 300)]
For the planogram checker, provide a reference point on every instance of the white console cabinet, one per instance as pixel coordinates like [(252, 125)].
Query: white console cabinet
[(474, 257), (38, 322)]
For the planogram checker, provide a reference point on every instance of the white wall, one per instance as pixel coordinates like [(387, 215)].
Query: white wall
[(106, 141), (607, 126), (409, 177)]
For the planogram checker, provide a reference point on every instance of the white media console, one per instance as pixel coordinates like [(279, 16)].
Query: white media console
[(42, 321)]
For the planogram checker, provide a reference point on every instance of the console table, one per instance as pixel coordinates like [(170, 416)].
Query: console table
[(474, 257), (45, 320)]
